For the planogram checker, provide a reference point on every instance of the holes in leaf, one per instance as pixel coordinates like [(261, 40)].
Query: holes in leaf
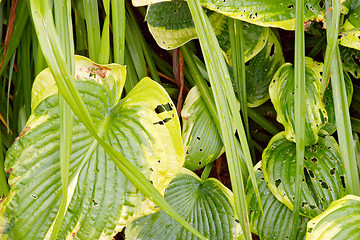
[(253, 15), (163, 107), (291, 7), (272, 50), (237, 220), (323, 184), (162, 122), (314, 159), (312, 206), (151, 169), (200, 149), (355, 58), (34, 196), (198, 138), (200, 163), (277, 182), (332, 171), (343, 181), (246, 25), (159, 161), (311, 174), (94, 203), (303, 204)]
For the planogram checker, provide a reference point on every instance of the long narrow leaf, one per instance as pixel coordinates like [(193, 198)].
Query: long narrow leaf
[(300, 108), (342, 115), (64, 26), (227, 109)]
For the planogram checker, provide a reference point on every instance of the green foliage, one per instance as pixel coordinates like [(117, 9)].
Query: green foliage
[(282, 95), (144, 131), (207, 204), (89, 148)]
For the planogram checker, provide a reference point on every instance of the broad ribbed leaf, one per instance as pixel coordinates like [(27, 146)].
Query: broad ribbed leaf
[(276, 13), (330, 125), (350, 33), (340, 221), (208, 205), (282, 96), (143, 126), (351, 61), (171, 25), (324, 178), (261, 69), (200, 136), (276, 223)]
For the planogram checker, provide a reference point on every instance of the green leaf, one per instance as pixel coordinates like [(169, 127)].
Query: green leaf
[(328, 100), (340, 221), (261, 69), (276, 223), (276, 13), (324, 178), (172, 26), (350, 59), (201, 138), (171, 23), (282, 96), (208, 205), (350, 33), (100, 198)]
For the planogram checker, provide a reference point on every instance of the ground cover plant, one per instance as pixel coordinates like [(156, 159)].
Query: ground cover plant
[(197, 119)]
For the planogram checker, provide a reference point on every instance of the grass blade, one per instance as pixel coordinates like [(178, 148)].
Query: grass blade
[(4, 187), (118, 22), (64, 27), (104, 51), (342, 114), (237, 53), (227, 109), (93, 28), (300, 109)]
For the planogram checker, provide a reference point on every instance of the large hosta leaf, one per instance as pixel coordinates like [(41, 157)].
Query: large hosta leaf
[(330, 126), (143, 126), (208, 205), (340, 221), (283, 97), (171, 25), (276, 13), (276, 223), (350, 33), (323, 172), (261, 69), (201, 138)]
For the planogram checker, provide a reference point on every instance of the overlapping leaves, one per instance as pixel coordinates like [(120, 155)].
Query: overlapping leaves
[(340, 221), (278, 13), (208, 205), (323, 171), (261, 69), (201, 138), (282, 96), (143, 126), (276, 223), (171, 25)]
